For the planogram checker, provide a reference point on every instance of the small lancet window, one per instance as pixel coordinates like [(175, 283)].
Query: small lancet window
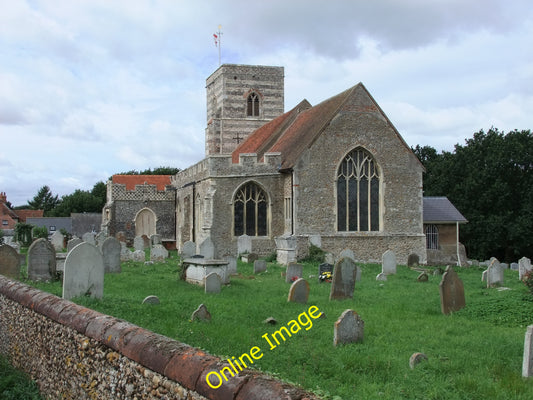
[(253, 105)]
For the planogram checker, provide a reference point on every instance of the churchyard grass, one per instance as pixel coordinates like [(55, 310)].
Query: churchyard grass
[(475, 353), (15, 385)]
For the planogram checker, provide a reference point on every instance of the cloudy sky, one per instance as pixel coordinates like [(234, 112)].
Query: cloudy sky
[(89, 88)]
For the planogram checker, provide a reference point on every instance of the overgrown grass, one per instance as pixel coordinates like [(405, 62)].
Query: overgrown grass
[(15, 385), (475, 353)]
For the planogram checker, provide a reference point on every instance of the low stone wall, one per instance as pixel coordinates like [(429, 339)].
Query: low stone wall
[(73, 352)]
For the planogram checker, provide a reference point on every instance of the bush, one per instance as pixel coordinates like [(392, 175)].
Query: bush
[(1, 237), (527, 278), (316, 254), (40, 232)]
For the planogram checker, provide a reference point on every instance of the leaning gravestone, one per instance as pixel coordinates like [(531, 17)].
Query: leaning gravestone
[(527, 362), (89, 237), (189, 249), (73, 243), (41, 261), (84, 272), (494, 273), (452, 293), (57, 239), (201, 314), (244, 244), (207, 248), (524, 266), (212, 283), (388, 263), (349, 328), (151, 300), (9, 262), (138, 243), (381, 277), (111, 250), (343, 282), (413, 260), (299, 291), (294, 271), (259, 266)]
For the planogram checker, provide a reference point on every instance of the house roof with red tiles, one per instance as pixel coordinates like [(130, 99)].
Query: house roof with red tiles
[(161, 181), (296, 130), (23, 214)]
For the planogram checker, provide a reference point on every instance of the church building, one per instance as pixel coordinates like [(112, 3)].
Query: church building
[(338, 175)]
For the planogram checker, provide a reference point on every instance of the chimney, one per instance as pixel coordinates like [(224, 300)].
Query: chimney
[(3, 198)]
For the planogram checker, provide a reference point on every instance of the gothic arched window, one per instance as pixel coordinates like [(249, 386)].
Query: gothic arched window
[(250, 211), (253, 105), (358, 195)]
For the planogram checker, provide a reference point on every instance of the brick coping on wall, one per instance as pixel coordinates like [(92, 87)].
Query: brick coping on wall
[(179, 362)]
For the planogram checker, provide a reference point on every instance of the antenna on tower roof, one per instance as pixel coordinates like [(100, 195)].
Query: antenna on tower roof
[(218, 41)]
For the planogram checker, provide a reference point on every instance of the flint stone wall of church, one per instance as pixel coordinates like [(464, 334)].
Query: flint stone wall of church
[(361, 123)]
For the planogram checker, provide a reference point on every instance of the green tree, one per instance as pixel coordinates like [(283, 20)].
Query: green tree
[(40, 232), (82, 201), (23, 233), (155, 171), (44, 200)]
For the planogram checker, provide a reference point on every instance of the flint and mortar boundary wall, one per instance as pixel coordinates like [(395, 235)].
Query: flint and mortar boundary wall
[(73, 352)]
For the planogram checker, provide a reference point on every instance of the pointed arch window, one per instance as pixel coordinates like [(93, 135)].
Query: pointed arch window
[(358, 193), (250, 211), (252, 109)]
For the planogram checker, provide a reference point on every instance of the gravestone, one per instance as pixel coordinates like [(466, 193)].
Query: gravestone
[(232, 265), (151, 300), (207, 248), (259, 266), (524, 266), (527, 362), (325, 267), (158, 253), (388, 263), (249, 257), (89, 237), (73, 243), (138, 243), (58, 240), (343, 282), (494, 273), (315, 240), (347, 253), (514, 266), (84, 272), (201, 314), (452, 293), (212, 283), (111, 250), (413, 260), (349, 328), (121, 236), (146, 241), (41, 261), (125, 253), (299, 291), (293, 271), (381, 277), (416, 358), (188, 249), (423, 277), (155, 239), (9, 262), (484, 276), (286, 249), (244, 244), (138, 255)]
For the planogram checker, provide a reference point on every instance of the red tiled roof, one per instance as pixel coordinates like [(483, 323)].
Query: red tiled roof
[(23, 214), (131, 180)]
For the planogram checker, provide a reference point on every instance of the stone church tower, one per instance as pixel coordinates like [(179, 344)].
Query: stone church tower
[(240, 99)]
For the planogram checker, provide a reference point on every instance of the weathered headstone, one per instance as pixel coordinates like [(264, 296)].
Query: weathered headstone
[(527, 362), (73, 243), (9, 262), (347, 253), (158, 253), (89, 237), (232, 265), (294, 271), (452, 294), (259, 266), (349, 328), (381, 277), (207, 248), (138, 255), (299, 291), (111, 250), (514, 266), (146, 241), (416, 358), (41, 261), (155, 239), (343, 282), (484, 276), (151, 300), (388, 263), (58, 240), (201, 314), (423, 277), (125, 253), (413, 260), (244, 244), (188, 249), (138, 243), (212, 283), (494, 273), (84, 272), (315, 240), (524, 266)]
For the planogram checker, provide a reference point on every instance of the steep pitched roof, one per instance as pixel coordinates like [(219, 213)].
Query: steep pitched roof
[(441, 210), (296, 130), (131, 180)]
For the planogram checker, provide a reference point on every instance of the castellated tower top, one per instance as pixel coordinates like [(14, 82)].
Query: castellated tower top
[(240, 99)]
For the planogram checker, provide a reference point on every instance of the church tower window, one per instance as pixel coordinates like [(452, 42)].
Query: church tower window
[(358, 194), (250, 211), (253, 105)]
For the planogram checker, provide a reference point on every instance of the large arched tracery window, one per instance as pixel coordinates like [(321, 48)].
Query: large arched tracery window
[(358, 194), (250, 211)]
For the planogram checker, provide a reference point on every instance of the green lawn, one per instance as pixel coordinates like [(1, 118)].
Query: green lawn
[(15, 385), (475, 353)]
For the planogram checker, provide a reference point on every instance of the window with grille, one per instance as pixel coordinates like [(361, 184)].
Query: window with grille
[(253, 105), (250, 209), (358, 193), (432, 236)]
